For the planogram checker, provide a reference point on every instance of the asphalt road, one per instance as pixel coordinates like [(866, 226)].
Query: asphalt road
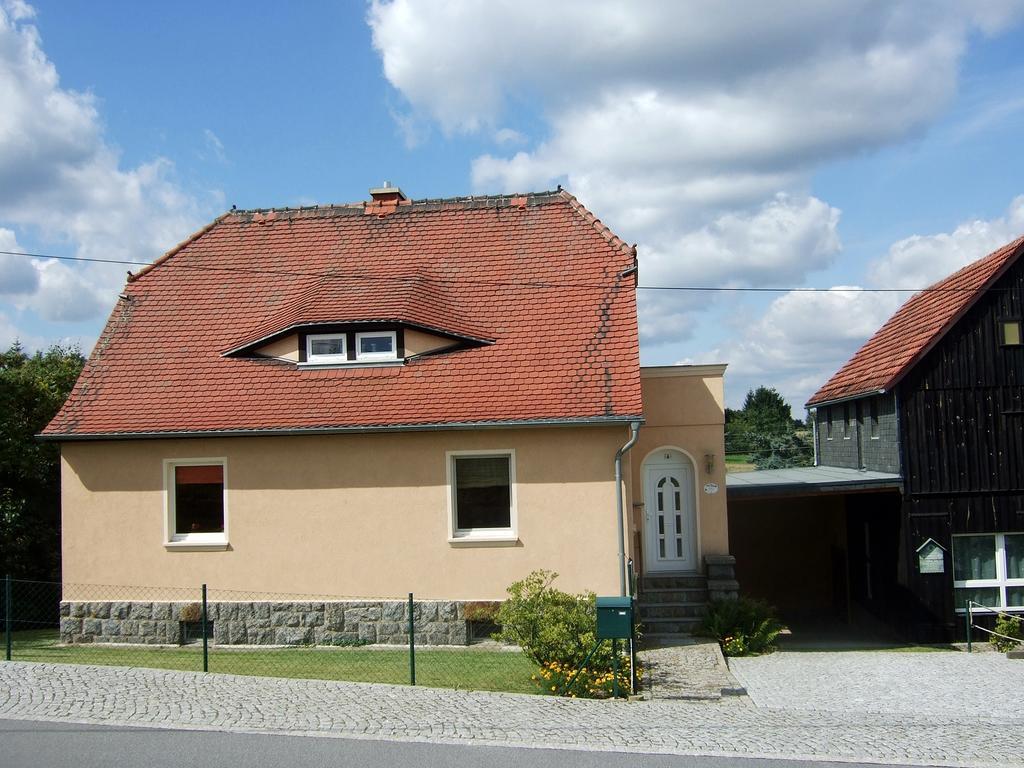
[(34, 744)]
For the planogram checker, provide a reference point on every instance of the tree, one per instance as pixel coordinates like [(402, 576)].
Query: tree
[(765, 412), (32, 390), (781, 451), (765, 429)]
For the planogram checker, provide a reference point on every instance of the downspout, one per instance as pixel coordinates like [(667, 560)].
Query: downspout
[(814, 433), (634, 429)]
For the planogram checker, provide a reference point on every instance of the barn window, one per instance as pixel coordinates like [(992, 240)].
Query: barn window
[(989, 569), (1010, 333)]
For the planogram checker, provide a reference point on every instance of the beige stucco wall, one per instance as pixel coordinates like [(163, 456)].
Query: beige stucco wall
[(345, 515), (684, 408), (418, 342), (285, 349)]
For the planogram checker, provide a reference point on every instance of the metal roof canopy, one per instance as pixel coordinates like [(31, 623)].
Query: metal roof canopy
[(807, 481)]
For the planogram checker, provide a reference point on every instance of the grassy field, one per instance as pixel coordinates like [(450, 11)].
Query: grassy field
[(738, 462), (463, 668)]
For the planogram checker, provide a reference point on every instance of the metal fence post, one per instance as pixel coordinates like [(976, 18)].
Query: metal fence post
[(206, 639), (632, 631), (969, 623), (412, 643), (615, 669), (8, 606)]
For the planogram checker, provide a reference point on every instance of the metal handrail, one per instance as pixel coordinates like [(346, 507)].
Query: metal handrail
[(971, 625)]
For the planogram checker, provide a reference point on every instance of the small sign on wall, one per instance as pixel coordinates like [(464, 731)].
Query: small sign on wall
[(710, 488), (931, 557)]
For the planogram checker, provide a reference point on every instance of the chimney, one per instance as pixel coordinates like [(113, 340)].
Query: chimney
[(387, 194)]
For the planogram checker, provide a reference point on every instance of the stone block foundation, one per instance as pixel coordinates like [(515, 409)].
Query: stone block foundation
[(437, 622), (722, 582)]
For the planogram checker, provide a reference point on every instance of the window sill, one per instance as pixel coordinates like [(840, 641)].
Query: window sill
[(316, 366), (196, 546), (484, 540)]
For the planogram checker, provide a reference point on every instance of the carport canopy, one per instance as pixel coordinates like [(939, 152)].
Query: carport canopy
[(807, 481)]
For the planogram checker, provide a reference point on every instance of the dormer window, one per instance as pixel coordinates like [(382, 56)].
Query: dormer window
[(326, 348), (376, 345)]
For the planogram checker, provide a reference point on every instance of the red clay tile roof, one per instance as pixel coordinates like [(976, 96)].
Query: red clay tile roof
[(915, 328), (329, 299), (536, 275)]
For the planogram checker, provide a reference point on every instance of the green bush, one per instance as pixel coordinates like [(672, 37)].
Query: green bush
[(1009, 626), (556, 631), (742, 626)]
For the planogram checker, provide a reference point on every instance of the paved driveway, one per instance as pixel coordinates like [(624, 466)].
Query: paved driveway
[(984, 685), (732, 726)]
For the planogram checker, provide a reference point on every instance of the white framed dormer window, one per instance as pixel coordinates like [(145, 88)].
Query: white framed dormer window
[(326, 348), (989, 569), (482, 497), (376, 345), (195, 501)]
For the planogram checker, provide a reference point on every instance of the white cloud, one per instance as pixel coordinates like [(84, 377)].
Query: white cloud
[(803, 338), (214, 146), (773, 245), (691, 131), (17, 275), (62, 181), (18, 10), (778, 242), (920, 260), (508, 137)]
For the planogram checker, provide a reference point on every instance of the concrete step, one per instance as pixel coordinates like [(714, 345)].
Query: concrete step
[(674, 610), (655, 596), (658, 628), (676, 581)]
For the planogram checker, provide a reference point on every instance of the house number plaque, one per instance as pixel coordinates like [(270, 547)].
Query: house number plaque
[(710, 488)]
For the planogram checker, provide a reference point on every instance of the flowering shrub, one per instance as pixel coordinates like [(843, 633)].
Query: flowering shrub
[(589, 684), (735, 646), (556, 631)]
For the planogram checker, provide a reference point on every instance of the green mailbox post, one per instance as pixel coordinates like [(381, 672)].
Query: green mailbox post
[(614, 618), (614, 622)]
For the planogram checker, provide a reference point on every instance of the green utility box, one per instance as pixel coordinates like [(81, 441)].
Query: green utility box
[(614, 618)]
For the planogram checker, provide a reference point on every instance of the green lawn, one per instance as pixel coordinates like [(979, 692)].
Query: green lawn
[(738, 462), (464, 668)]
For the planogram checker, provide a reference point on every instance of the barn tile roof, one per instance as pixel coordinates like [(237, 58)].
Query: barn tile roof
[(534, 279), (915, 328)]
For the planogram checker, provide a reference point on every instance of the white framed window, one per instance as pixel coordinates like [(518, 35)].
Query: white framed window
[(326, 348), (196, 503), (988, 568), (482, 496), (376, 345)]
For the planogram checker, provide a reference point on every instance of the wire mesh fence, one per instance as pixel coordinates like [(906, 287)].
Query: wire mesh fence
[(206, 629)]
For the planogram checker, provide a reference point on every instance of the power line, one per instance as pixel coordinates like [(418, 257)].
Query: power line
[(495, 283)]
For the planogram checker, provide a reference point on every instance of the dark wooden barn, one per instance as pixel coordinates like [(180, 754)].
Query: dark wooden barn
[(937, 396)]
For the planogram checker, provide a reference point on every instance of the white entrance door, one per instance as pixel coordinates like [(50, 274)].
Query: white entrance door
[(670, 520)]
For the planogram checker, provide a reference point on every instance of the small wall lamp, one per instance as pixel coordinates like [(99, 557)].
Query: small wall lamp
[(709, 462)]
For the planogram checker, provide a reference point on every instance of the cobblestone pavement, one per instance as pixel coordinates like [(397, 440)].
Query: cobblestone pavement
[(690, 670), (940, 684), (730, 727)]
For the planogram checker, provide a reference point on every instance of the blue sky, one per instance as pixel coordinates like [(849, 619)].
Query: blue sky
[(861, 143)]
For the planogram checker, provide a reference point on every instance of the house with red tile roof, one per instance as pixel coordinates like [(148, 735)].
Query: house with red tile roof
[(363, 400), (920, 451)]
